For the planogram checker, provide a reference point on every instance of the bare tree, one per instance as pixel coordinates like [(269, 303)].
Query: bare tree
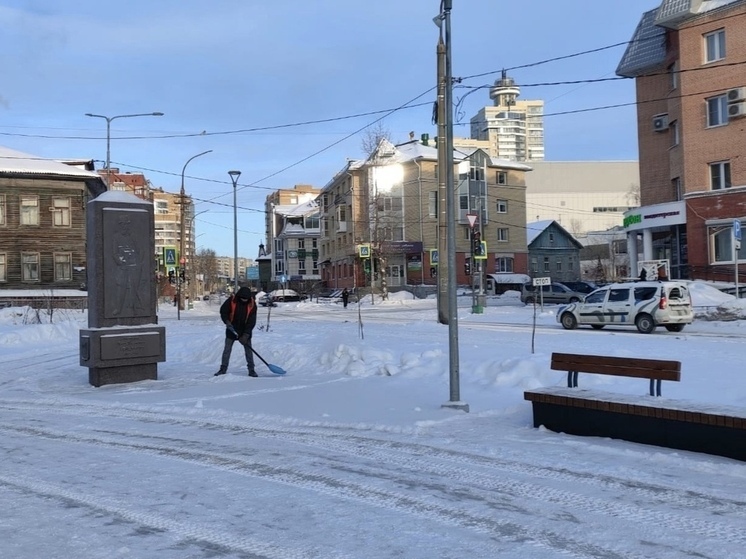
[(205, 265), (372, 137)]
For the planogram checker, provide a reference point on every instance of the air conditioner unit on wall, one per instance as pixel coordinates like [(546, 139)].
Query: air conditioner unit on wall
[(737, 94), (737, 110), (660, 123)]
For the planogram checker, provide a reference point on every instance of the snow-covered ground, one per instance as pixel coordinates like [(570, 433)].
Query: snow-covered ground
[(351, 454)]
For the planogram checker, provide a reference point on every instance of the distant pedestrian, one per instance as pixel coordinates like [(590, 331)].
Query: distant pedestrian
[(238, 313), (345, 297), (643, 274)]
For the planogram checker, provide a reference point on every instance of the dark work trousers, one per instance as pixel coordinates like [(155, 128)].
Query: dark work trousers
[(225, 360)]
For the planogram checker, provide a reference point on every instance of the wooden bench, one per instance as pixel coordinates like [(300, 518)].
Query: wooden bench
[(684, 425), (655, 370)]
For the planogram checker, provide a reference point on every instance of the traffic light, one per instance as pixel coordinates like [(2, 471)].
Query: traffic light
[(366, 265), (467, 267), (171, 278), (477, 243), (181, 275)]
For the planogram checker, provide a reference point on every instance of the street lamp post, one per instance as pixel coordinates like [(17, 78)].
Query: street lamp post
[(234, 178), (108, 136), (182, 254)]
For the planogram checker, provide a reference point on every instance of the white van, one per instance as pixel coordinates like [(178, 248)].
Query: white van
[(644, 304)]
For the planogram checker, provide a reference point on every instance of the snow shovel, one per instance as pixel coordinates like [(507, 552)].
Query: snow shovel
[(274, 368)]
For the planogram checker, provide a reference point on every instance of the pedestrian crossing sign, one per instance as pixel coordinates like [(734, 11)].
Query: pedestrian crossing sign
[(169, 256)]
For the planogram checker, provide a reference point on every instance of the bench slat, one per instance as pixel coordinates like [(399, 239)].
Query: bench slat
[(653, 369)]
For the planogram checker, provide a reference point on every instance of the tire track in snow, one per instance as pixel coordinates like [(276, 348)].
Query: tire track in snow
[(323, 436), (404, 503), (514, 532), (187, 531)]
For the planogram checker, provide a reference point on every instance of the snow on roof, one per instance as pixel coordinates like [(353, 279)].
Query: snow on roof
[(121, 196), (535, 228), (14, 162), (297, 210)]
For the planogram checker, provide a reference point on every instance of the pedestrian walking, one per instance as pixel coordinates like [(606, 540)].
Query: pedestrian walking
[(345, 297), (238, 313)]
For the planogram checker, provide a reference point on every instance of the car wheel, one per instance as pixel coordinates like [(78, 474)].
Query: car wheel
[(674, 327), (574, 299), (569, 322), (597, 326), (645, 323)]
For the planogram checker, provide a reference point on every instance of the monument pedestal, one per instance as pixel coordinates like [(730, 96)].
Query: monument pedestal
[(117, 355)]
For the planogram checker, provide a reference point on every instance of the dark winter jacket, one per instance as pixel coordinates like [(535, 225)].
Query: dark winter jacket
[(239, 314)]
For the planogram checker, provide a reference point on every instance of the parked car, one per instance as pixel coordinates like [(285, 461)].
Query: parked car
[(581, 286), (644, 304), (553, 293), (285, 295)]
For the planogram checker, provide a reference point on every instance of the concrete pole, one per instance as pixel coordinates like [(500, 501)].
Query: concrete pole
[(455, 395), (442, 267)]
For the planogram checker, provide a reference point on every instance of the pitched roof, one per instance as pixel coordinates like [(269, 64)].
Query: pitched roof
[(14, 162)]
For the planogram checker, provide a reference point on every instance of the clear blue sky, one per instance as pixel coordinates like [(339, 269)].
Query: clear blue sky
[(223, 67)]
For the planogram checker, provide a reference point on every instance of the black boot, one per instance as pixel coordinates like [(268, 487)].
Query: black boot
[(252, 373), (222, 371)]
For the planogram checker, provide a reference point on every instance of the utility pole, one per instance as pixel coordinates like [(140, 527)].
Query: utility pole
[(447, 111), (442, 267)]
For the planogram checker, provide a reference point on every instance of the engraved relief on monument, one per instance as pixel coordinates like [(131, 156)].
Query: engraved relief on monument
[(126, 268)]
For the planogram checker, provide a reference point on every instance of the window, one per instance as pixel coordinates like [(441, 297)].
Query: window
[(551, 238), (30, 266), (715, 46), (720, 175), (29, 210), (534, 265), (502, 235), (645, 293), (61, 212), (674, 128), (502, 177), (2, 209), (559, 266), (673, 72), (618, 295), (161, 207), (596, 297), (63, 269), (717, 111), (502, 206), (432, 204), (504, 264), (3, 268), (721, 245), (678, 194), (546, 264)]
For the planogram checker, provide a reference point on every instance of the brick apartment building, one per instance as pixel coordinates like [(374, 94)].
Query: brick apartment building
[(688, 58)]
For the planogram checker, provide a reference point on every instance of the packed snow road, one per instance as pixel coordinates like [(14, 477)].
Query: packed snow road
[(351, 454)]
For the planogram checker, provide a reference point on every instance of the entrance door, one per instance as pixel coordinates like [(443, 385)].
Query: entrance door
[(394, 275)]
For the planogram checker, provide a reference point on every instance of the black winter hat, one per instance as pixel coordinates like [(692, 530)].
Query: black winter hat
[(244, 293)]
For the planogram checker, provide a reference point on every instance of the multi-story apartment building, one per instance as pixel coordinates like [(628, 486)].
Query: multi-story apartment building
[(292, 228), (295, 249), (42, 222), (225, 268), (582, 196), (389, 205), (513, 129), (687, 58)]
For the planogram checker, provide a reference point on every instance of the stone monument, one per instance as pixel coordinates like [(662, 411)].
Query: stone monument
[(122, 342)]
